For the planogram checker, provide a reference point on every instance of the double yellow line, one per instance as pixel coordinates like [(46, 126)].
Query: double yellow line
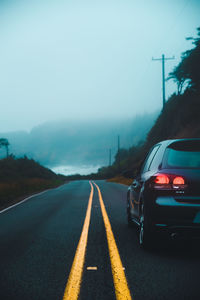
[(74, 281)]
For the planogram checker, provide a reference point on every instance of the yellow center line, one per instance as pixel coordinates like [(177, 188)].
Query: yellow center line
[(121, 286), (74, 281)]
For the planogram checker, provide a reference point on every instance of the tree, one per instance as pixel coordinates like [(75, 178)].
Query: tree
[(187, 74), (4, 143)]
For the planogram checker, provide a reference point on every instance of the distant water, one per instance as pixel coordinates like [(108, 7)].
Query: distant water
[(71, 170)]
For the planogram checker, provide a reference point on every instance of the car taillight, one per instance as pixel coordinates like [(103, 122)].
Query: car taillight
[(168, 182), (178, 181), (162, 179)]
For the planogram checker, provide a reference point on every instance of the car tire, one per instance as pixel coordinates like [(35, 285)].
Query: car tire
[(146, 235)]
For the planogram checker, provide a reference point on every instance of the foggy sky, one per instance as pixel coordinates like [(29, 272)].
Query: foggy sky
[(81, 59)]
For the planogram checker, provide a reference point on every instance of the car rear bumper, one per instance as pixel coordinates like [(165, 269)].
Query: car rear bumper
[(184, 201), (178, 231), (177, 215)]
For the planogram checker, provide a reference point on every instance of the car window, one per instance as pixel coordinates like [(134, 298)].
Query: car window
[(157, 159), (183, 154), (182, 159), (149, 158)]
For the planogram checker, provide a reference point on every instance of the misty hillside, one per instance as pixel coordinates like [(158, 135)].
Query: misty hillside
[(180, 117), (12, 169), (22, 177), (76, 143)]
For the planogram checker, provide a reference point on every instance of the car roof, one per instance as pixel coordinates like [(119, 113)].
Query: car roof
[(172, 141)]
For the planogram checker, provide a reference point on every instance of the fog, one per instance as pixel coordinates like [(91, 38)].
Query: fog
[(78, 146), (76, 74), (88, 60)]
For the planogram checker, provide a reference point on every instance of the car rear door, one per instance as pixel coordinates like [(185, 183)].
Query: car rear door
[(138, 183)]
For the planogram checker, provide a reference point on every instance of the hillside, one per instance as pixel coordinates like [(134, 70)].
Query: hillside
[(180, 117), (22, 177), (77, 142)]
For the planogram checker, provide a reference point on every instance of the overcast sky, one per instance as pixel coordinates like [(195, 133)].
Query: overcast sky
[(81, 59)]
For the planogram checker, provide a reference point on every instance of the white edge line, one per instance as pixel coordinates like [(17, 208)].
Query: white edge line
[(16, 204)]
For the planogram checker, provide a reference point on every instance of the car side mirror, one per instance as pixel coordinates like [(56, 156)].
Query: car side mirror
[(135, 184)]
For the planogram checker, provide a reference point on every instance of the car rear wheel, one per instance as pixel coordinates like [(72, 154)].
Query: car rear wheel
[(146, 236)]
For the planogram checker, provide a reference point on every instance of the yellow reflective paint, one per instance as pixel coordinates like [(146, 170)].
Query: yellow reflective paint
[(121, 286), (91, 268), (74, 281)]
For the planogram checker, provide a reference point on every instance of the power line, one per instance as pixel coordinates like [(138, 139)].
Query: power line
[(163, 59)]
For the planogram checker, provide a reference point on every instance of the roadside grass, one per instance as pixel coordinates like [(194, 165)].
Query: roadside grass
[(15, 191), (121, 179)]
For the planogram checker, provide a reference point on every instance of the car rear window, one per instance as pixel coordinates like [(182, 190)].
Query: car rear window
[(183, 155)]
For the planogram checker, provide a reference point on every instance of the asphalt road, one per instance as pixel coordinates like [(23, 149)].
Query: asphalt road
[(39, 238)]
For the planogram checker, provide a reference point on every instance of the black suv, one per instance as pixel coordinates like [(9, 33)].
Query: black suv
[(166, 193)]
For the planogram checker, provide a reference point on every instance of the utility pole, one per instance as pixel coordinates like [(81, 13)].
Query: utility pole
[(110, 157), (163, 74), (118, 147)]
